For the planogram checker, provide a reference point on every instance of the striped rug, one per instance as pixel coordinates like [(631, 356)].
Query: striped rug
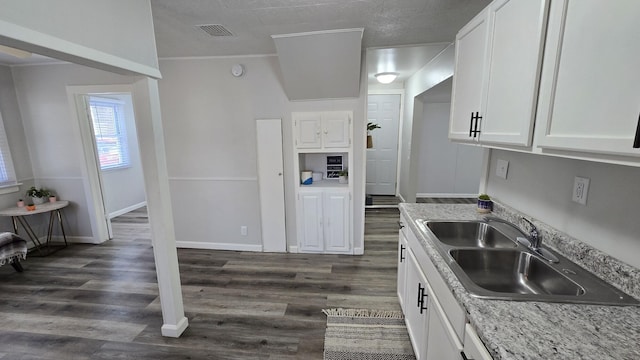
[(364, 334)]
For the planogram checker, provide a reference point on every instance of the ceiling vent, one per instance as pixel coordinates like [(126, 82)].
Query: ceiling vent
[(216, 30)]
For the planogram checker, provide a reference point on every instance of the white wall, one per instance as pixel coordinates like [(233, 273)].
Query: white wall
[(541, 187), (107, 34), (52, 133), (209, 121), (436, 71), (123, 188), (17, 143), (445, 168)]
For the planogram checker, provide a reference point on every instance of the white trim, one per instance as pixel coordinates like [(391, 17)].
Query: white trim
[(293, 249), (127, 209), (216, 57), (485, 172), (358, 251), (402, 198), (58, 239), (321, 32), (218, 246), (175, 331), (445, 195), (67, 50), (59, 178), (8, 189), (410, 45), (213, 179)]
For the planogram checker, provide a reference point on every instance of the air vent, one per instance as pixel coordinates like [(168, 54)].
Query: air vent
[(216, 30)]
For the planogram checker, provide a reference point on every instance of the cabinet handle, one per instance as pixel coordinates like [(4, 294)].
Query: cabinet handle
[(475, 124), (464, 356), (636, 141), (471, 125), (400, 224), (421, 298), (402, 248)]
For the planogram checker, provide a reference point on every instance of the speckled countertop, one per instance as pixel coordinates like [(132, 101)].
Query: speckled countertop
[(539, 330)]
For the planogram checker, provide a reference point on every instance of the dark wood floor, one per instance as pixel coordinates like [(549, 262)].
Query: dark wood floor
[(101, 302)]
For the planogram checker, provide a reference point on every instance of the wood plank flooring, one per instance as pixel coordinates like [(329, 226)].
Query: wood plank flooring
[(101, 301)]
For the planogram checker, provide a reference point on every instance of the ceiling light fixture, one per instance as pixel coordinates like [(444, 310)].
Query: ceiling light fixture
[(386, 77)]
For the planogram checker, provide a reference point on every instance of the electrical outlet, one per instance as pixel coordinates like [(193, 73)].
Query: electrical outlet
[(580, 190), (501, 168), (243, 230)]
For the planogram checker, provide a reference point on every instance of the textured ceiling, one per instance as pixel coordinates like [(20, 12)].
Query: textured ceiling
[(386, 23)]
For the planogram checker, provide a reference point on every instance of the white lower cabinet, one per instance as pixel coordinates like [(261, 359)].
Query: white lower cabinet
[(324, 221), (435, 321)]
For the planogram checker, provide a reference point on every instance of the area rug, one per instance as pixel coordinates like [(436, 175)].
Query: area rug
[(365, 334)]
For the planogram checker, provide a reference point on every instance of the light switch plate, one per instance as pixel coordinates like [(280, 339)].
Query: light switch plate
[(501, 168), (580, 190)]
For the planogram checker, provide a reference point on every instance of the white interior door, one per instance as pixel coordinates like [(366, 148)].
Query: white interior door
[(382, 158), (271, 184)]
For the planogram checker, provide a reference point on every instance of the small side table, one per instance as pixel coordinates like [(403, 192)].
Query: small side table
[(19, 216)]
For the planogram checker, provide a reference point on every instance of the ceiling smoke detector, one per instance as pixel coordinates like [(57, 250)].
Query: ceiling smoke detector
[(216, 30)]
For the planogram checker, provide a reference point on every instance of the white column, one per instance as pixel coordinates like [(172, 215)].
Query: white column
[(146, 101)]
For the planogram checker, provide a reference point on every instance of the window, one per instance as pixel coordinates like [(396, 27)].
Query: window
[(7, 172), (110, 131)]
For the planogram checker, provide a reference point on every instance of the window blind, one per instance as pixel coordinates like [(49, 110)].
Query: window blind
[(7, 172), (110, 131)]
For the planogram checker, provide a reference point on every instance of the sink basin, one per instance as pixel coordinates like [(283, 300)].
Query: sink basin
[(513, 272), (469, 234)]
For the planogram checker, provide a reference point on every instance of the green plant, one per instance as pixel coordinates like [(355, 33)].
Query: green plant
[(484, 197), (344, 172), (372, 126), (38, 193)]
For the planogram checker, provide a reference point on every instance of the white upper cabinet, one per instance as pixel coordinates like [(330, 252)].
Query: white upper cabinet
[(468, 77), (590, 88), (498, 61), (318, 130)]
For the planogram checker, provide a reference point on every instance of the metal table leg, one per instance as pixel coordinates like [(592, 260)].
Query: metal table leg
[(32, 235)]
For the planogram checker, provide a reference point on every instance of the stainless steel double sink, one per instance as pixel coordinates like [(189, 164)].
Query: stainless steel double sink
[(490, 263)]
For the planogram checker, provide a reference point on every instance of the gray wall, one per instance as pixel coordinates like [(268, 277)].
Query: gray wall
[(17, 142), (445, 168), (541, 187)]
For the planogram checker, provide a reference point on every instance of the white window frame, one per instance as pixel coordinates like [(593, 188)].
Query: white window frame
[(8, 181), (121, 132)]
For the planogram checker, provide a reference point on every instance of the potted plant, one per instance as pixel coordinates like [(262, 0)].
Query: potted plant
[(371, 127), (485, 205), (343, 176), (30, 207), (38, 196)]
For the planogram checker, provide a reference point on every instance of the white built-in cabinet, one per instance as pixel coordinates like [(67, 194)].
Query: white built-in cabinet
[(437, 324), (324, 208), (497, 70), (322, 130), (590, 90), (325, 220)]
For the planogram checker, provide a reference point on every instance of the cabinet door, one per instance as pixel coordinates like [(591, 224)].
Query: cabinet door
[(517, 29), (402, 269), (471, 44), (443, 342), (417, 301), (310, 221), (335, 129), (307, 127), (337, 224), (589, 99)]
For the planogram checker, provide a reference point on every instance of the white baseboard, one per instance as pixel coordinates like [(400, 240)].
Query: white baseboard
[(401, 198), (218, 246), (58, 239), (441, 195), (175, 331), (293, 249), (127, 209), (358, 251)]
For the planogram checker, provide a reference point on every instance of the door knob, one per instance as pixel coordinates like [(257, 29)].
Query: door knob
[(279, 174)]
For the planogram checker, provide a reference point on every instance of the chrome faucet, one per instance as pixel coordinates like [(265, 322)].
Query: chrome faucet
[(534, 235), (533, 241)]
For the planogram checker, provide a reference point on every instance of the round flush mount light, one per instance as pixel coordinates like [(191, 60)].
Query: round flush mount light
[(237, 70), (386, 77)]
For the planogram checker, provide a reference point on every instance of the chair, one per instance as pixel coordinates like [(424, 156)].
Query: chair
[(13, 248)]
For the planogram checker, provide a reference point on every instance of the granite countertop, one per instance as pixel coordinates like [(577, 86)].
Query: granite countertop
[(543, 330)]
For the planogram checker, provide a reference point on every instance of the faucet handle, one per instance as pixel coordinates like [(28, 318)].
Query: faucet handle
[(533, 233)]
